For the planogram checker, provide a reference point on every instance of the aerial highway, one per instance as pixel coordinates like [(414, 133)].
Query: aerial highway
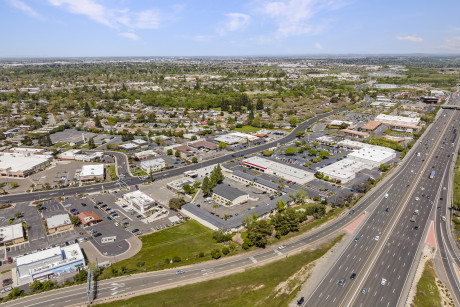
[(374, 268), (127, 180)]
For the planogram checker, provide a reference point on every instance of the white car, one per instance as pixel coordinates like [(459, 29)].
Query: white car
[(417, 198), (7, 289), (282, 247), (377, 238), (443, 218), (383, 282)]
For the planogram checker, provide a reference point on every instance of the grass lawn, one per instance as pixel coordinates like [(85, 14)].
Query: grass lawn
[(274, 284), (248, 129), (185, 241), (111, 173), (138, 171), (427, 290), (457, 182)]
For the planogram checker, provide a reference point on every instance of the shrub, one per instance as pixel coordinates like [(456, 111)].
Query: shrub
[(225, 251), (215, 254)]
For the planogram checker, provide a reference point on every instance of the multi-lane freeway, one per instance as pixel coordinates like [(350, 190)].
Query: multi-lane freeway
[(385, 248)]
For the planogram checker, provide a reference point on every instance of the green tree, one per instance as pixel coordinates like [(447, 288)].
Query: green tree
[(74, 219), (258, 232), (194, 160), (300, 133), (281, 204), (177, 154), (259, 104), (86, 110), (215, 254), (14, 184), (91, 144), (293, 122), (36, 286), (222, 145), (206, 186), (313, 152), (97, 121), (169, 152), (176, 203), (290, 151)]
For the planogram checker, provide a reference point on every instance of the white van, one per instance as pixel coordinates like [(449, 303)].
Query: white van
[(386, 195)]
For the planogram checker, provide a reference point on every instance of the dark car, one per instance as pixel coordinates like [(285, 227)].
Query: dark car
[(353, 276), (416, 227), (109, 218), (83, 204), (7, 282), (300, 301), (97, 234), (341, 282), (135, 230)]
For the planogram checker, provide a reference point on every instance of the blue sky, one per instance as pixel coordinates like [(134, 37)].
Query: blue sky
[(49, 28)]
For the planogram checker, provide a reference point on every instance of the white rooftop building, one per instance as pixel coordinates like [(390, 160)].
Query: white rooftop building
[(398, 121), (372, 157), (153, 165), (49, 262), (58, 222), (128, 146), (11, 234), (91, 172), (145, 154), (139, 201), (22, 164), (78, 155), (343, 170), (281, 170), (349, 144)]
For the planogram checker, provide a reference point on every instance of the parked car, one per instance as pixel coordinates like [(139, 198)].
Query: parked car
[(7, 282), (7, 289), (10, 260)]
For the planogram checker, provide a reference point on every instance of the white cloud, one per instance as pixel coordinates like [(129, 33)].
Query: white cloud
[(414, 39), (451, 43), (234, 22), (25, 8), (125, 20), (318, 46), (294, 17), (130, 35), (93, 10)]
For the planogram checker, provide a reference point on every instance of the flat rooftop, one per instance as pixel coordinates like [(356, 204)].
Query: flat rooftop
[(17, 162)]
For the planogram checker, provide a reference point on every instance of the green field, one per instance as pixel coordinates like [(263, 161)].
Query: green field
[(427, 291), (185, 241), (274, 284), (247, 129)]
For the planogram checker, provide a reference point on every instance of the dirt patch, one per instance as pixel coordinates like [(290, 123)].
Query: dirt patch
[(296, 280)]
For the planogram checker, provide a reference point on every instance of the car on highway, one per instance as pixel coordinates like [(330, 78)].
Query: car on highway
[(341, 282), (386, 195), (387, 209), (364, 290), (383, 282), (180, 272), (417, 198), (282, 247), (356, 239), (353, 276), (416, 227), (300, 301), (377, 238), (443, 218)]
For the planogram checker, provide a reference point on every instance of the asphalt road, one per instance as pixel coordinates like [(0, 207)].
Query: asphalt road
[(392, 255), (127, 179)]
